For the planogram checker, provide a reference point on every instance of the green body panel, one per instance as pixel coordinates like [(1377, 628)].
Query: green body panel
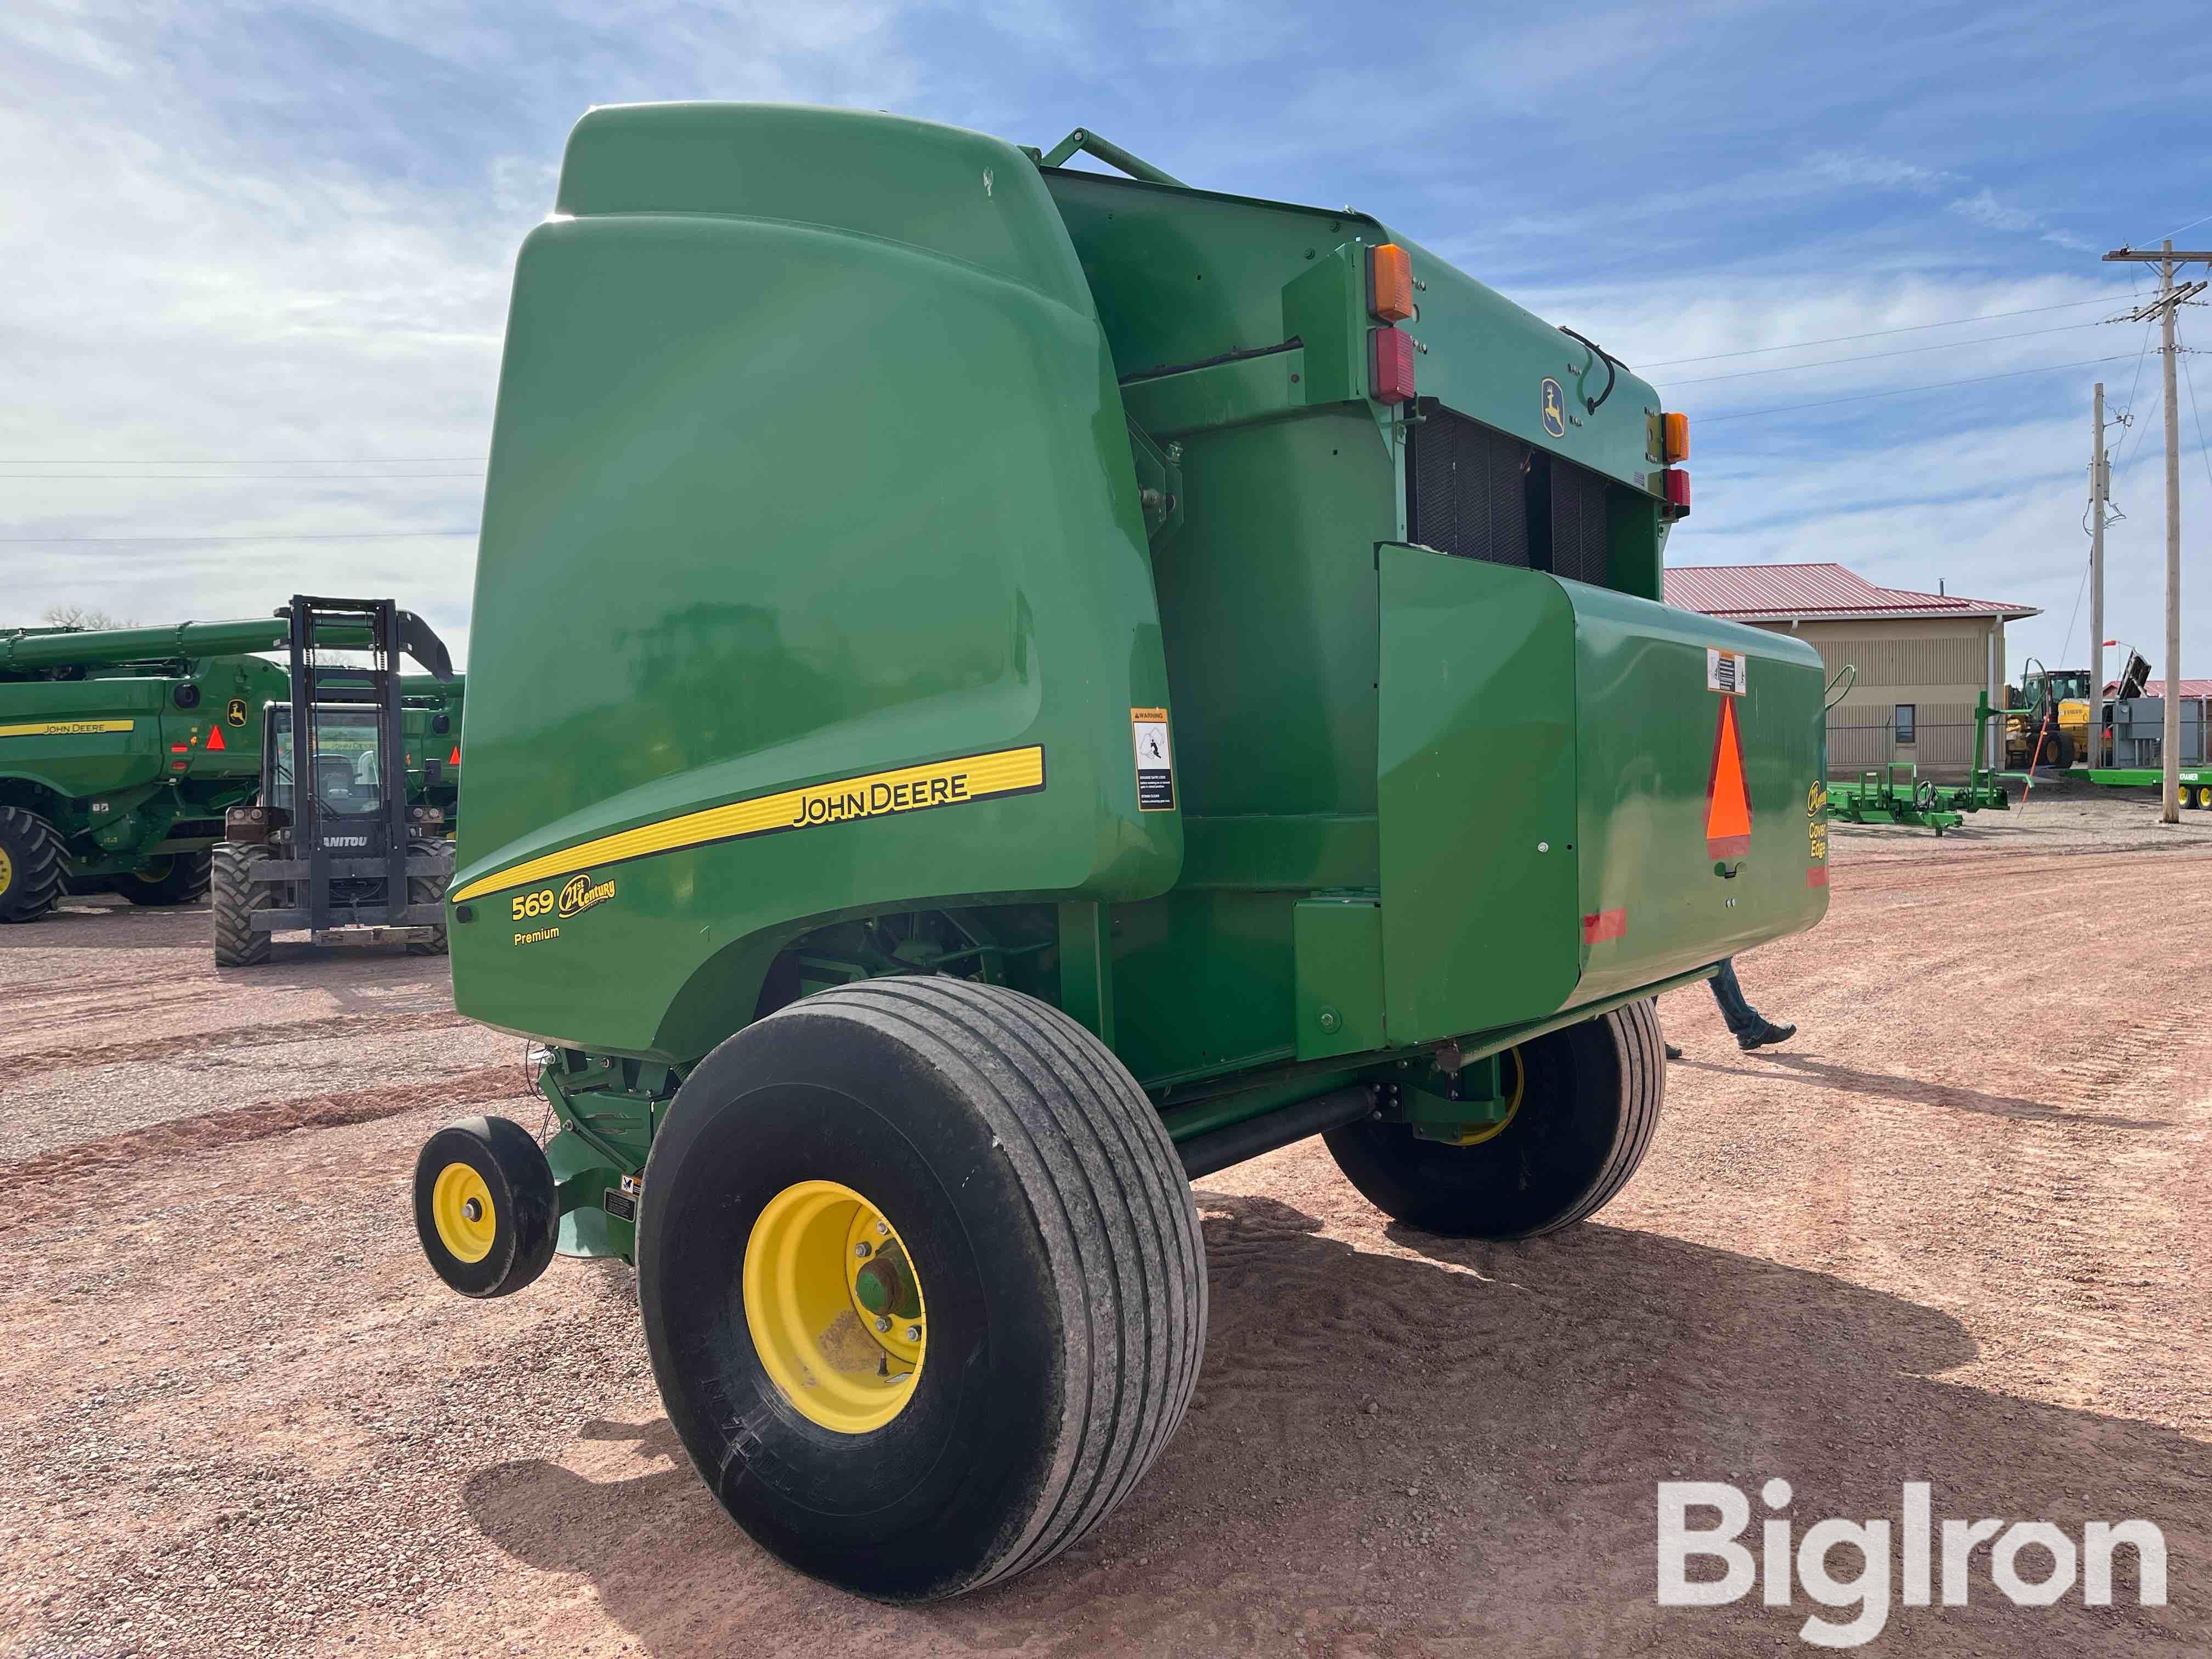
[(124, 798), (1477, 768), (1646, 726), (819, 456), (830, 498)]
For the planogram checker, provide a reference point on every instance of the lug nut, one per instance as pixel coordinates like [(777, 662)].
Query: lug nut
[(914, 1333), (882, 1322), (863, 1248), (883, 1229)]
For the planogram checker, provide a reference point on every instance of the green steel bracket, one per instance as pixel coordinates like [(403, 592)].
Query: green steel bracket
[(1086, 967), (1159, 484), (583, 1178), (1325, 307), (613, 1105), (1112, 154), (1441, 1104), (1338, 949)]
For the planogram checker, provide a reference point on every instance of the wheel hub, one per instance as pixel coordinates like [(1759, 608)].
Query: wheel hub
[(834, 1306), (460, 1207), (6, 871), (1475, 1133)]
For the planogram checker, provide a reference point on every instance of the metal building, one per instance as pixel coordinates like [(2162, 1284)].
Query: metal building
[(1922, 658)]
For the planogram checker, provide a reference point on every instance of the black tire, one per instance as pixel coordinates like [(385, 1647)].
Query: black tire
[(429, 890), (33, 865), (2058, 753), (235, 895), (1050, 1226), (184, 879), (1590, 1103), (516, 1187)]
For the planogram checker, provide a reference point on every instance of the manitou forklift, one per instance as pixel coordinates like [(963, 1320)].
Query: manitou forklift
[(332, 845)]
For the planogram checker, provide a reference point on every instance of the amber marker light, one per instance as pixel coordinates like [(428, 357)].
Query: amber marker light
[(1389, 283), (1674, 438)]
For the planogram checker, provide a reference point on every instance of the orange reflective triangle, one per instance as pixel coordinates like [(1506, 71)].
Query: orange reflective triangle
[(215, 739), (1727, 797), (454, 759)]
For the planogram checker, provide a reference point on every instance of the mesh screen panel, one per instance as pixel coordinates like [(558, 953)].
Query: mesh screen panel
[(1578, 524), (1466, 490)]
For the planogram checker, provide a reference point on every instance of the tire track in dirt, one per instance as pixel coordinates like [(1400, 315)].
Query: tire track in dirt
[(41, 1186), (83, 1056)]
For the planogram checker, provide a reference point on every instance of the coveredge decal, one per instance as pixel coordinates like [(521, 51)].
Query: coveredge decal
[(877, 795)]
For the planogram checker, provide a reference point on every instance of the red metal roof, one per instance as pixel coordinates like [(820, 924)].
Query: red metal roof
[(2157, 687), (1779, 593)]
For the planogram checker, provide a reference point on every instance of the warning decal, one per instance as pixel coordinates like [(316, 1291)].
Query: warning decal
[(1725, 670), (1727, 796), (1155, 761)]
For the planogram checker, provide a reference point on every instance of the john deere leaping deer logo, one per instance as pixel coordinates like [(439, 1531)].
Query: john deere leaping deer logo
[(1555, 409), (235, 712), (578, 893)]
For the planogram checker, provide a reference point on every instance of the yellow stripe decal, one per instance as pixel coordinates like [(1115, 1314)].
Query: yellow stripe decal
[(65, 728), (877, 795)]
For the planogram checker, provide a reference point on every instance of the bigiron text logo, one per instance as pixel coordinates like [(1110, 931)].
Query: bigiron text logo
[(2033, 1563)]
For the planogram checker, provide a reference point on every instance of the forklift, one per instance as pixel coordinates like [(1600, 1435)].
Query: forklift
[(332, 845)]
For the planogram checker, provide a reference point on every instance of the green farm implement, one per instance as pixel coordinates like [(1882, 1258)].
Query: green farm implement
[(998, 690), (430, 719), (333, 843), (2194, 790), (1897, 794), (121, 749)]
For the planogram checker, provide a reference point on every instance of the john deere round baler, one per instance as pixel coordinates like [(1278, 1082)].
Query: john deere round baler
[(999, 690)]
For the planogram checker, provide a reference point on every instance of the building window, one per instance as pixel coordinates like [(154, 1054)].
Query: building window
[(1905, 712)]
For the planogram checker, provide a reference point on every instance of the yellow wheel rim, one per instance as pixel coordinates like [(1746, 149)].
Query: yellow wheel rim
[(6, 871), (835, 1306), (461, 1204), (1478, 1133)]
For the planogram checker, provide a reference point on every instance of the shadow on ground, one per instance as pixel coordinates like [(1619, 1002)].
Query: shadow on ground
[(1798, 1066), (1397, 1453)]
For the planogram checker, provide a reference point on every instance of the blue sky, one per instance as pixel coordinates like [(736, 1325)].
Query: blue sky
[(256, 256)]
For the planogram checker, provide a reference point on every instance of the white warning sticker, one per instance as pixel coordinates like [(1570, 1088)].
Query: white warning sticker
[(1725, 670), (1155, 761)]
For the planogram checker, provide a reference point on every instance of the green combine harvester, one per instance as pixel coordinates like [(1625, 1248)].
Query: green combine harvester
[(122, 748), (999, 690), (430, 721)]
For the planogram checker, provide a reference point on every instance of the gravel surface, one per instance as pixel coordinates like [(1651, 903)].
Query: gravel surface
[(1955, 1232)]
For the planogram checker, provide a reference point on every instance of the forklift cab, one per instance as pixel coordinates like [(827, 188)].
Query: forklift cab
[(348, 780)]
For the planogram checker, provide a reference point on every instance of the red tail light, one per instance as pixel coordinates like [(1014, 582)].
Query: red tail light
[(1390, 354), (1678, 489)]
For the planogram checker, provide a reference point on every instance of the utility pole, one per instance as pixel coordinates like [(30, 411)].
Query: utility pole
[(2169, 301), (2098, 485)]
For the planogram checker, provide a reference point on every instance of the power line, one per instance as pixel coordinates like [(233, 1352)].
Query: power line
[(1900, 391), (1909, 328), (2196, 414), (2191, 224), (229, 478), (262, 460), (346, 536), (1877, 357)]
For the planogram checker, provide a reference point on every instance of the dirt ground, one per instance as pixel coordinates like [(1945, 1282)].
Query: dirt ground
[(1957, 1231)]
